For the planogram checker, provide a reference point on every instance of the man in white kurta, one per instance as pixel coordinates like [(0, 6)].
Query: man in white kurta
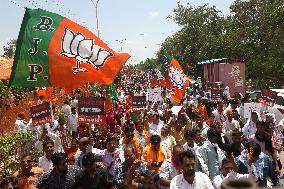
[(190, 179)]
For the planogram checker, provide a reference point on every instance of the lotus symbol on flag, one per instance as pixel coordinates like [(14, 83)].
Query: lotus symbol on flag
[(84, 50), (177, 78)]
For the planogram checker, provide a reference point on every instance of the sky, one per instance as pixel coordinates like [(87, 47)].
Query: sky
[(138, 27)]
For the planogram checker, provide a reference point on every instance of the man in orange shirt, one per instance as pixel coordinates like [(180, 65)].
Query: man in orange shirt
[(155, 153), (129, 140), (201, 109), (27, 174)]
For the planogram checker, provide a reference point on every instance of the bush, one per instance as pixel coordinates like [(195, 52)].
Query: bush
[(9, 147)]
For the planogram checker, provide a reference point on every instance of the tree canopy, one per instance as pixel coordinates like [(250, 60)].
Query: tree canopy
[(253, 31)]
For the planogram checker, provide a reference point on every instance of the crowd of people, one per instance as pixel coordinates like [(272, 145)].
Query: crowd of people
[(199, 147)]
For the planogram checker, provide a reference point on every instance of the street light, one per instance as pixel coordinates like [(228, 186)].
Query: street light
[(96, 7), (120, 42)]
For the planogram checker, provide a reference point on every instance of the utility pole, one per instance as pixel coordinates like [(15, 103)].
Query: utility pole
[(97, 18)]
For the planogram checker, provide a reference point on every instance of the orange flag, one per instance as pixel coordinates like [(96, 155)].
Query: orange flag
[(46, 92), (5, 67), (176, 81), (55, 51)]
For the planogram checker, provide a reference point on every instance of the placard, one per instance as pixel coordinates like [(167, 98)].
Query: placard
[(216, 95), (41, 113), (251, 107), (139, 103), (155, 94), (91, 110), (267, 97)]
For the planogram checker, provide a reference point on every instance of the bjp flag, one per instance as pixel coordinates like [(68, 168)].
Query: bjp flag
[(176, 80), (54, 51)]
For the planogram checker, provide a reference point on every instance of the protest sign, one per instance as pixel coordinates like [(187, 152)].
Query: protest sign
[(251, 107), (155, 94), (216, 95), (91, 110), (267, 97), (139, 103), (41, 113)]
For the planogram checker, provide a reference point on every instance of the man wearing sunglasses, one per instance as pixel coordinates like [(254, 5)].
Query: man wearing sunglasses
[(27, 174)]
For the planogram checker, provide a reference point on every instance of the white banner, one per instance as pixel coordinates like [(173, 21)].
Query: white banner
[(155, 94), (176, 109), (251, 107)]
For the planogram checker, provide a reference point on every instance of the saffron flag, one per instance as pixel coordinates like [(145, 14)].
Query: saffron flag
[(5, 67), (55, 51), (176, 81), (46, 92)]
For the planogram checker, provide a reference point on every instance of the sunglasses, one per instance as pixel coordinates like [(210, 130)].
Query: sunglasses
[(27, 161)]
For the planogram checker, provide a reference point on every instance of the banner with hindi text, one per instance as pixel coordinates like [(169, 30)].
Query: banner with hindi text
[(91, 110)]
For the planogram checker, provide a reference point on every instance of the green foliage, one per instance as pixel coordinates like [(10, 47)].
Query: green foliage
[(200, 37), (9, 146), (60, 114), (253, 32), (10, 48), (3, 89), (256, 32)]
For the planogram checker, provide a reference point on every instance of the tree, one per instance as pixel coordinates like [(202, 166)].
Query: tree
[(253, 32), (10, 48), (256, 33), (200, 37)]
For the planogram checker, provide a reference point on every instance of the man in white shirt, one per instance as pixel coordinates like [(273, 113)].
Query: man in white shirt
[(72, 122), (111, 157), (250, 127), (218, 113), (156, 126), (66, 108), (21, 124), (190, 179), (230, 124), (44, 161), (190, 137), (229, 170), (47, 135), (171, 167)]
